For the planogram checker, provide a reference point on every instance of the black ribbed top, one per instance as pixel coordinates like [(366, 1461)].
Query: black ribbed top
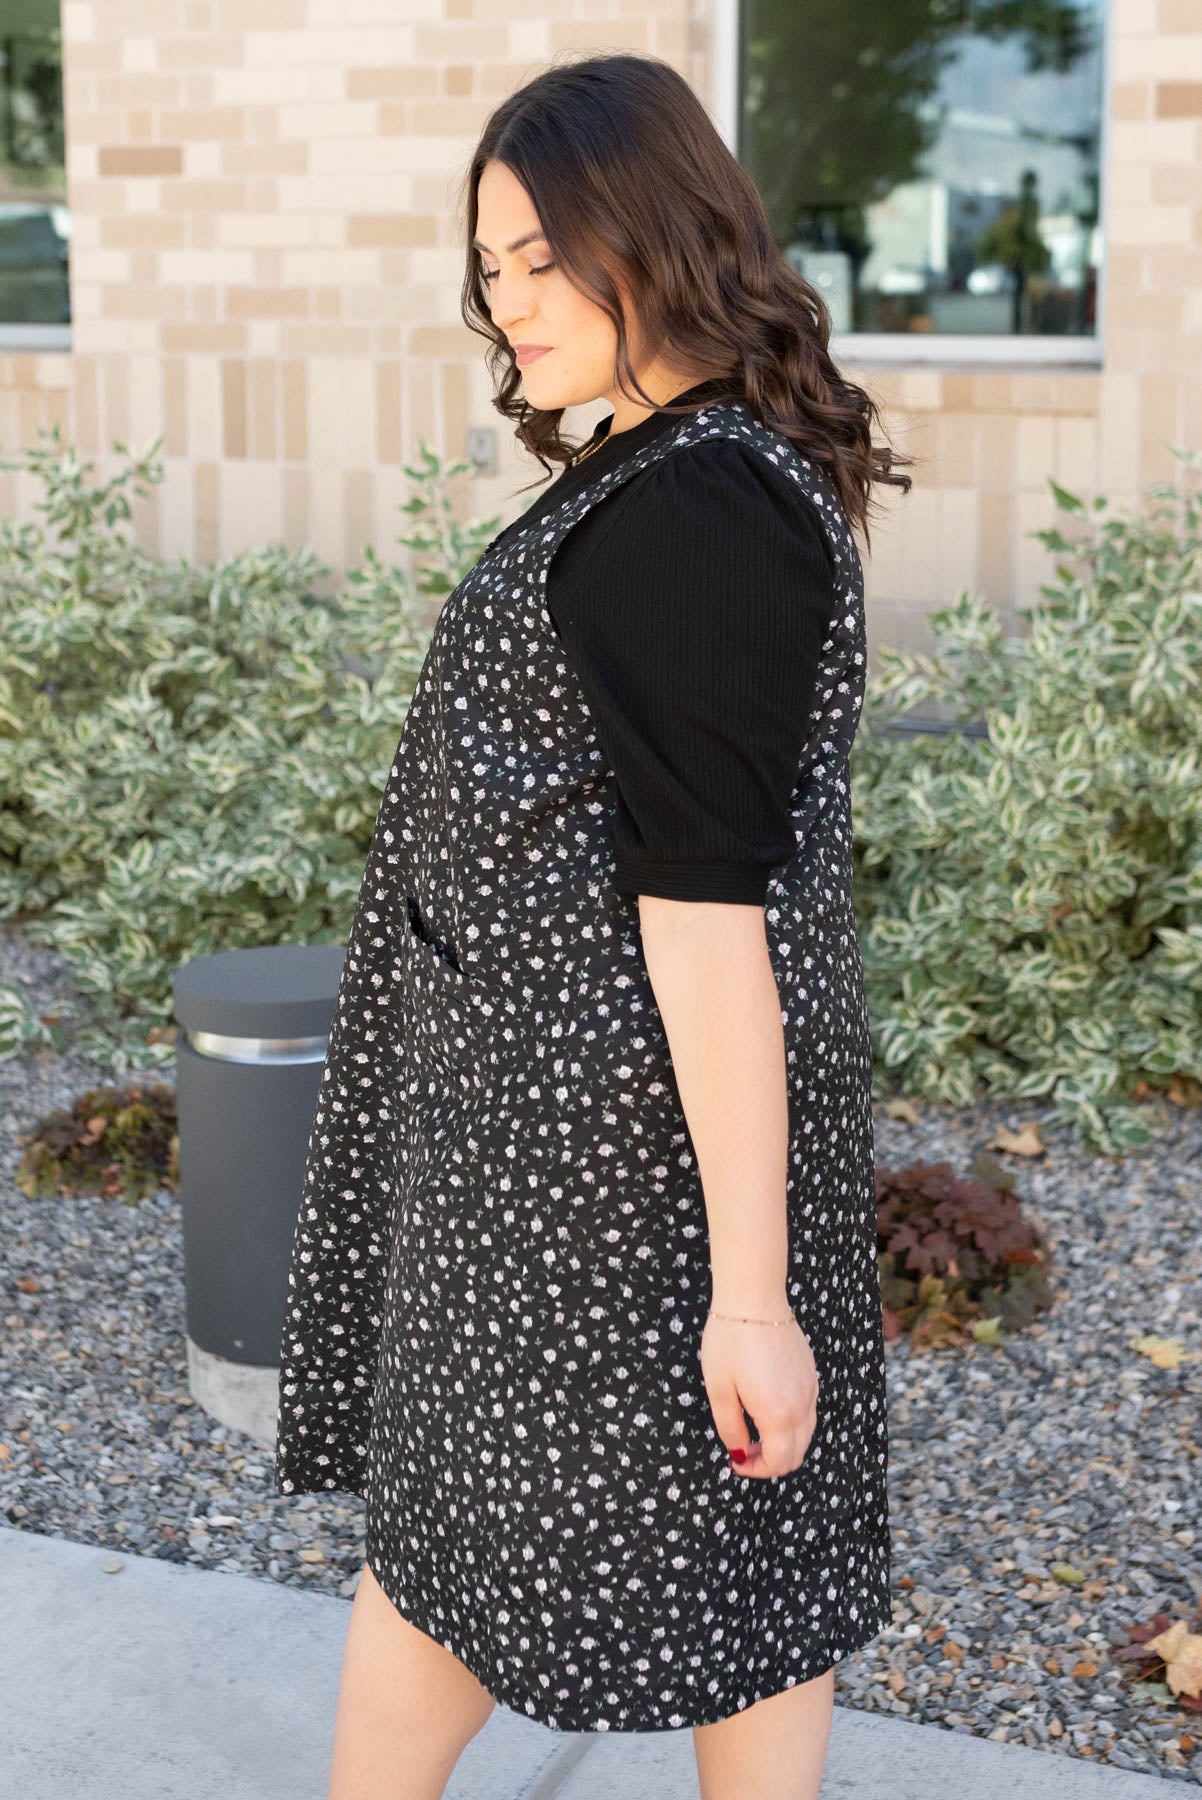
[(692, 604)]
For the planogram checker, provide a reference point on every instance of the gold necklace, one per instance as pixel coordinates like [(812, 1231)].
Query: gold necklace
[(595, 445)]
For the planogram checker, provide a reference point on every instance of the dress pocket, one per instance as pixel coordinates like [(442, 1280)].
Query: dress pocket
[(440, 1011)]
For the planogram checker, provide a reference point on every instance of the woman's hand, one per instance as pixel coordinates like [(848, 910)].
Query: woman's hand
[(769, 1369)]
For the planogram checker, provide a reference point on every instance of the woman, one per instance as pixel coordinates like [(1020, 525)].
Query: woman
[(584, 1294)]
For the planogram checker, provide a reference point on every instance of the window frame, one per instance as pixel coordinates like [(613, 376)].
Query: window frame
[(899, 349), (19, 337)]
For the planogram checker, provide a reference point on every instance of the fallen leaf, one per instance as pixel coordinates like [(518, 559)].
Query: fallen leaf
[(901, 1109), (1180, 1649), (988, 1331), (1154, 1691), (1024, 1142), (1166, 1353)]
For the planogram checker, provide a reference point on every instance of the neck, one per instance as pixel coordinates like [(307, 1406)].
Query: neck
[(663, 387)]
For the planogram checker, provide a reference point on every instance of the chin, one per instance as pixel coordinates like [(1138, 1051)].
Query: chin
[(551, 395), (540, 380)]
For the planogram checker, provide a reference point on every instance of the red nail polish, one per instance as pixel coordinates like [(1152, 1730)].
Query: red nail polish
[(738, 1456)]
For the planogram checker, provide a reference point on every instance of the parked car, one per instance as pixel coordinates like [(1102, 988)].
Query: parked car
[(34, 287)]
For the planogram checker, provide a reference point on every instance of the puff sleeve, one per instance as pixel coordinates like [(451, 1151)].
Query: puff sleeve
[(693, 604)]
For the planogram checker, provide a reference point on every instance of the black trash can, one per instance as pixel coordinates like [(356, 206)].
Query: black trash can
[(254, 1026)]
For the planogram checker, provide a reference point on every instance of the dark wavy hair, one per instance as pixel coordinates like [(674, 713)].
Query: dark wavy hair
[(627, 172)]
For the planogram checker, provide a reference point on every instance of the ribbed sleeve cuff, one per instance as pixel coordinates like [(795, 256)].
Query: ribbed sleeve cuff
[(745, 883)]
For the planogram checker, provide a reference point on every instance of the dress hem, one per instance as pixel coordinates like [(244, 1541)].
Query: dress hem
[(518, 1700)]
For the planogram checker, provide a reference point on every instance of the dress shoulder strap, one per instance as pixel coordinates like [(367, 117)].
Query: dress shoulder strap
[(733, 420)]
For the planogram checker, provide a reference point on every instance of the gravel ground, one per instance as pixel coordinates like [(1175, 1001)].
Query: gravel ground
[(1064, 1446)]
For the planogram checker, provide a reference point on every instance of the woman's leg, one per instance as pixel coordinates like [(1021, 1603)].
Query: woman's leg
[(406, 1706), (775, 1749)]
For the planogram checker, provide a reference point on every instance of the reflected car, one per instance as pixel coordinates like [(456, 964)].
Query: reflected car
[(990, 278), (34, 286)]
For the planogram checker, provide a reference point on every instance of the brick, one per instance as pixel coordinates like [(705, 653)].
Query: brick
[(294, 409), (358, 514), (196, 52), (325, 340), (265, 159), (135, 300), (174, 416), (138, 231), (1179, 16), (1177, 183), (1077, 455), (140, 159), (233, 408), (1179, 100), (998, 461), (221, 122), (581, 34), (436, 340), (958, 392), (1035, 451), (249, 16), (263, 302), (206, 510), (1131, 100), (398, 81), (297, 484), (197, 198), (995, 513), (261, 406), (393, 229)]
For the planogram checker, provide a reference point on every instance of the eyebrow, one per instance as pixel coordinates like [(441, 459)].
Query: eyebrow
[(531, 237)]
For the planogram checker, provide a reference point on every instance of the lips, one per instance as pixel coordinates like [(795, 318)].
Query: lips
[(528, 353)]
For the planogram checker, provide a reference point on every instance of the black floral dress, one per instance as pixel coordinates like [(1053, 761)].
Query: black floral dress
[(501, 1272)]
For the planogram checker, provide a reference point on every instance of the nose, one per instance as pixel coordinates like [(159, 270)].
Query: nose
[(507, 306)]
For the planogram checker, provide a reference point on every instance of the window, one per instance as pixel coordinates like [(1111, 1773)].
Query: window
[(933, 168), (34, 289)]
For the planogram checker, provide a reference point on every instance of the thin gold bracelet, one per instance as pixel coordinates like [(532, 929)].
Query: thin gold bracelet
[(738, 1319)]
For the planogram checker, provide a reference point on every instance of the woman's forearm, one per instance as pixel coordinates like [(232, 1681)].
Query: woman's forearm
[(713, 982)]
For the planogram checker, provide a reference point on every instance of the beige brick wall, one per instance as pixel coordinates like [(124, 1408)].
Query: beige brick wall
[(266, 263)]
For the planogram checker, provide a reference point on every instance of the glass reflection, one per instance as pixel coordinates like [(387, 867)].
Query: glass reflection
[(929, 167), (33, 211)]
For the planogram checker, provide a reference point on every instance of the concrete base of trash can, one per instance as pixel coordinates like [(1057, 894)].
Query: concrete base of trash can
[(241, 1395)]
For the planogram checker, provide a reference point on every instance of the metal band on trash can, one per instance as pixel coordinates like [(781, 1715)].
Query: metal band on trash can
[(256, 1049)]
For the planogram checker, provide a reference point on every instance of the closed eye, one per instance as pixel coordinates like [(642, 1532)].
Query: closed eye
[(491, 274)]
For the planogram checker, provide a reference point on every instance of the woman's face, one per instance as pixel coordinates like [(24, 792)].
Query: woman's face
[(532, 307)]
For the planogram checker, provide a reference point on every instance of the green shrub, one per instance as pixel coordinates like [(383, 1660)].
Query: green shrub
[(1030, 902), (191, 757)]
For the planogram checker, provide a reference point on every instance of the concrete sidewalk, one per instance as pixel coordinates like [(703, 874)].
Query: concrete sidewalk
[(163, 1682)]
